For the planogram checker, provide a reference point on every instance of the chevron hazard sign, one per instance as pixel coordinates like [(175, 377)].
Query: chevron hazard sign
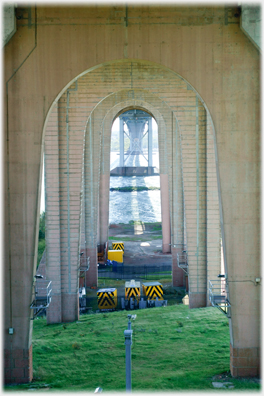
[(107, 298), (151, 290), (132, 290), (118, 246)]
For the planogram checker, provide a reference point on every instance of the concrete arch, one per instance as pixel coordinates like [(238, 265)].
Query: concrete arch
[(199, 294), (138, 101), (34, 74), (179, 112), (105, 157)]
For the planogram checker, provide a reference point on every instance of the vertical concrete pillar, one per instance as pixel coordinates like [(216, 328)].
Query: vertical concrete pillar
[(70, 166), (91, 196), (150, 146), (165, 213), (177, 229), (121, 142), (52, 203), (213, 231), (194, 175), (22, 180), (104, 209)]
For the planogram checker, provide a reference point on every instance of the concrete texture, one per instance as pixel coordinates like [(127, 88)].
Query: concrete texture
[(205, 58), (9, 22), (251, 22)]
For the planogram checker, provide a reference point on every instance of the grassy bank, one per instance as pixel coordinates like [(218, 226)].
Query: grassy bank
[(174, 348)]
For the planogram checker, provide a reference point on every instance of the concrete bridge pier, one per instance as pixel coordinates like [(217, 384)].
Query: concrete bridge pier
[(86, 70)]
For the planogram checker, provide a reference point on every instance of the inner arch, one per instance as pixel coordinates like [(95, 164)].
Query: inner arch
[(182, 120)]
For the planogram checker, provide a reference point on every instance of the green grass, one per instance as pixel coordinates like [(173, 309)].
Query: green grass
[(174, 348)]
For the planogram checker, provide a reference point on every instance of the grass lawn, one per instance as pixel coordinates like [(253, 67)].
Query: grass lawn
[(174, 348)]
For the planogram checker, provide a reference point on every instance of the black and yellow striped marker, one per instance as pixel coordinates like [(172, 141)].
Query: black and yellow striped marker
[(107, 298), (118, 246), (151, 290), (132, 290)]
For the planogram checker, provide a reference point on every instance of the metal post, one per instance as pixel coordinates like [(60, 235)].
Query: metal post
[(128, 343), (121, 142)]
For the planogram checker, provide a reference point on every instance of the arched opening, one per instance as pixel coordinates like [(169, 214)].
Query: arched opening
[(237, 132), (184, 132), (135, 204), (76, 187)]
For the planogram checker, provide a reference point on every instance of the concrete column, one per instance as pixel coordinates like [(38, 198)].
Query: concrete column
[(22, 178), (121, 142), (213, 232), (165, 213), (104, 209), (194, 175), (91, 195), (177, 241), (150, 148), (52, 209), (92, 274)]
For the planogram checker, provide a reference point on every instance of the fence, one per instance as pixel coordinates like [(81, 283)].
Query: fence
[(149, 272)]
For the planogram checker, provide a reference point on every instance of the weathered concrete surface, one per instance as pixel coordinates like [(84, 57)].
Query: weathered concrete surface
[(9, 22), (250, 22), (207, 48)]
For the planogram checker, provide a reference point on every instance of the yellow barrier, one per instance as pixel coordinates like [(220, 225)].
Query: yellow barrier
[(151, 290), (116, 255), (118, 246), (107, 298), (132, 289)]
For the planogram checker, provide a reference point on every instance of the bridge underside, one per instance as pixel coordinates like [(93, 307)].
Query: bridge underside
[(134, 171), (66, 82)]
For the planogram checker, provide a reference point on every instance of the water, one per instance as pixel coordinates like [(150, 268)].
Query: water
[(136, 205)]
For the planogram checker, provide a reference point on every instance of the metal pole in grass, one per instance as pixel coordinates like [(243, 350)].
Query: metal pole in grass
[(128, 343)]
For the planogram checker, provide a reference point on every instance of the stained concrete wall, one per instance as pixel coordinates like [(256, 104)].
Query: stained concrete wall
[(251, 22), (9, 20), (204, 45)]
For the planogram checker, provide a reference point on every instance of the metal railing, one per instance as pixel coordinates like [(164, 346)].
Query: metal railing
[(135, 271), (218, 296), (182, 261), (42, 296), (84, 264)]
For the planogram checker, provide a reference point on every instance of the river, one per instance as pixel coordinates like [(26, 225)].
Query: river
[(136, 205)]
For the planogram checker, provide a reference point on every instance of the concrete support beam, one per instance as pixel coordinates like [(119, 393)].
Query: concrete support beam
[(104, 209), (150, 145), (194, 179), (53, 221), (230, 89), (213, 231), (121, 142), (165, 213)]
